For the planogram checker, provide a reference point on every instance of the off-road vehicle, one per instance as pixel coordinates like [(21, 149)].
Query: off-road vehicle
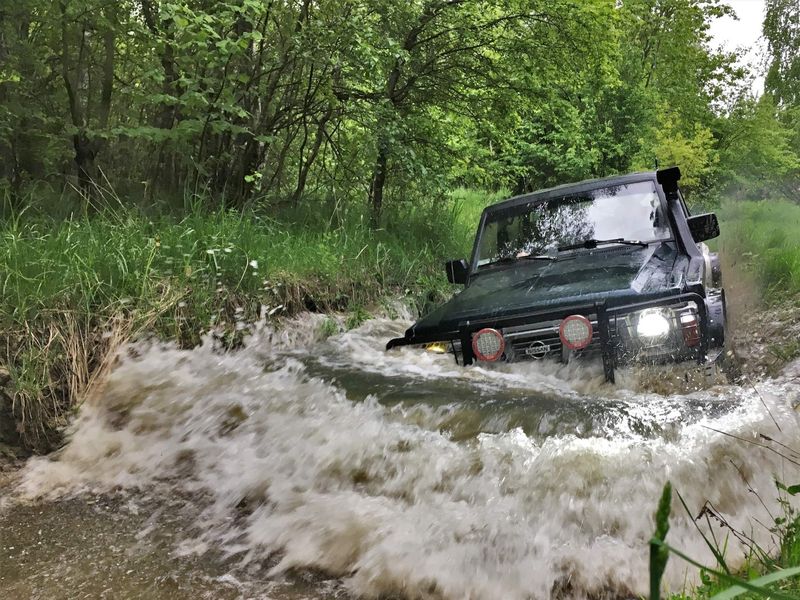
[(614, 268)]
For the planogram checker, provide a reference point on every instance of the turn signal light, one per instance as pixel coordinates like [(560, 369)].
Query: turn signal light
[(691, 330)]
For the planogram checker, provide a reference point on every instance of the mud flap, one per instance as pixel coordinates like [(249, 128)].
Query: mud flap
[(712, 367)]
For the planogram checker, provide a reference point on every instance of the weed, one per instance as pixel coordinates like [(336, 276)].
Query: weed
[(328, 328), (358, 315), (762, 576)]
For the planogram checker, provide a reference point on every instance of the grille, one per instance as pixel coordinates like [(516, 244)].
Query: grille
[(541, 340)]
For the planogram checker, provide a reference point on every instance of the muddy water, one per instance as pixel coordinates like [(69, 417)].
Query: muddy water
[(303, 468)]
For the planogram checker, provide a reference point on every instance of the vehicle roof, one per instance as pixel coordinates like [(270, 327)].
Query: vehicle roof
[(581, 186)]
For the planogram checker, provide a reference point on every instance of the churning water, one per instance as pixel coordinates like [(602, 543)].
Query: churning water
[(309, 468)]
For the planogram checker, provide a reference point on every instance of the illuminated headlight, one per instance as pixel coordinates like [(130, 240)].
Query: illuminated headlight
[(652, 323)]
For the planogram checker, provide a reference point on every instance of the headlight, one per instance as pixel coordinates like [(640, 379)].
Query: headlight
[(652, 324)]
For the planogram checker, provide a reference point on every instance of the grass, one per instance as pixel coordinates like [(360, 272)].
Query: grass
[(763, 575), (72, 291), (763, 239), (765, 236)]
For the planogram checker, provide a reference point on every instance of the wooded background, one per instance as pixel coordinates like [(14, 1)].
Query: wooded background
[(382, 105)]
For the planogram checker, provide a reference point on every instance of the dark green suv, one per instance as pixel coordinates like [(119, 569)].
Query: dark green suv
[(613, 267)]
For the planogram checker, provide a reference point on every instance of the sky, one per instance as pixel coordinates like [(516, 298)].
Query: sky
[(744, 33)]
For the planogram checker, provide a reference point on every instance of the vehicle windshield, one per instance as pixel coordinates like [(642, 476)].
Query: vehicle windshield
[(631, 212)]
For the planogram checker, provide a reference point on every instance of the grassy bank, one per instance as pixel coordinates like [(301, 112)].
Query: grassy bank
[(761, 252), (74, 290), (765, 238)]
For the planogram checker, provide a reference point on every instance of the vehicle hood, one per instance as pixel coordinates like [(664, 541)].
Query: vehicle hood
[(614, 275)]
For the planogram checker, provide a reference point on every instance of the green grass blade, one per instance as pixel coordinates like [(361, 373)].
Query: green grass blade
[(714, 550), (658, 553), (737, 590), (747, 585)]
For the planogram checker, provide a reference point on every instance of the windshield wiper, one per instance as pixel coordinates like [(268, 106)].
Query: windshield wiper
[(592, 243), (507, 260), (537, 257)]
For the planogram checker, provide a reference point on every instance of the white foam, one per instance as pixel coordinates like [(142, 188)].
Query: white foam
[(382, 498)]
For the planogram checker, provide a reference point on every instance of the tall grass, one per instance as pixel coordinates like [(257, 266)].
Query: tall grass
[(766, 237), (72, 290)]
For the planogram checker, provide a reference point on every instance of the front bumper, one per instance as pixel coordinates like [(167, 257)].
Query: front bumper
[(534, 335)]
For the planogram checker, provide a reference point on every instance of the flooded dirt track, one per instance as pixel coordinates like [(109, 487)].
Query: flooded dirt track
[(301, 468)]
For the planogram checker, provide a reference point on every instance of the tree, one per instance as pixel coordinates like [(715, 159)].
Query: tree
[(782, 32), (87, 55), (284, 102), (757, 156), (452, 56)]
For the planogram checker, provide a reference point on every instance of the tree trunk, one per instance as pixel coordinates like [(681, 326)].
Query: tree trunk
[(167, 114), (85, 152), (376, 187), (305, 164)]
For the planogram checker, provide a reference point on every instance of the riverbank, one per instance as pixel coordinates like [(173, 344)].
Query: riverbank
[(74, 291), (760, 250)]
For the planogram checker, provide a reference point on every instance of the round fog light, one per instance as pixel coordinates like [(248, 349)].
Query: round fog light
[(652, 323), (488, 344), (575, 332)]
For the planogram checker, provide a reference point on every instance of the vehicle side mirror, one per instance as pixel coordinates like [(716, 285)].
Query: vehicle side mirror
[(457, 271), (703, 227)]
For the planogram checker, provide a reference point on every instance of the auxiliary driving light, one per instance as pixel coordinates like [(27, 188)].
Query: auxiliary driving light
[(576, 332), (652, 324), (488, 344), (436, 347)]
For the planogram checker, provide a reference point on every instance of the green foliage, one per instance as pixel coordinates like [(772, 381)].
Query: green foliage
[(366, 103), (329, 327), (758, 158), (756, 587), (358, 315), (669, 145), (768, 575), (782, 32)]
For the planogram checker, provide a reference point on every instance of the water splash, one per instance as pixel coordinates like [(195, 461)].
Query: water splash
[(403, 473)]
